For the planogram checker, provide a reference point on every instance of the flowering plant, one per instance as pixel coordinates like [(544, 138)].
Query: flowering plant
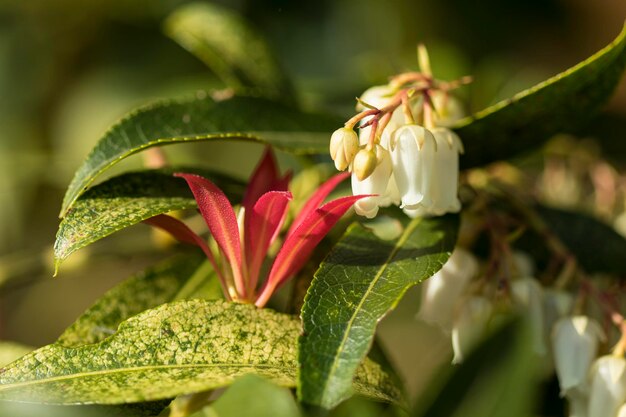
[(292, 295)]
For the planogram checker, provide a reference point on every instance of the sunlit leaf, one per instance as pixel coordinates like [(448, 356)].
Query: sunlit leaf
[(176, 348), (360, 281), (124, 201), (564, 102), (201, 119)]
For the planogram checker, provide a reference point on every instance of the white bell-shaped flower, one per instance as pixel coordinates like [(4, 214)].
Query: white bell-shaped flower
[(523, 263), (442, 291), (622, 411), (575, 346), (527, 294), (608, 386), (445, 179), (413, 154), (470, 326), (376, 183)]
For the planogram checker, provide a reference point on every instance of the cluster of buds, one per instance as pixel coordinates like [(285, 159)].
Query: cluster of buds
[(404, 154), (564, 339)]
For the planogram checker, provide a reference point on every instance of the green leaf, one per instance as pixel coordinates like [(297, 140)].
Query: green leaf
[(15, 409), (261, 399), (177, 348), (582, 235), (496, 380), (10, 351), (564, 102), (155, 286), (201, 119), (229, 46), (362, 279), (126, 200)]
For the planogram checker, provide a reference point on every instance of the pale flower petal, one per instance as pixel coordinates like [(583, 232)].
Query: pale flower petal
[(608, 386), (470, 326), (527, 293), (441, 292), (575, 345)]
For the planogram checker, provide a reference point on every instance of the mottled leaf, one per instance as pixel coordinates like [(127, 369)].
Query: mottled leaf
[(177, 348), (229, 46), (564, 102), (496, 380), (16, 409), (261, 399), (200, 119), (148, 289), (362, 279), (126, 200), (10, 351)]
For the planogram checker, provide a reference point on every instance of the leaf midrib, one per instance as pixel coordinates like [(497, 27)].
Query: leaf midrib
[(10, 386), (405, 236)]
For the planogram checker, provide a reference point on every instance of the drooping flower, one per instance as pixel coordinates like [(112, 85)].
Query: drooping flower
[(244, 243), (470, 326), (344, 145), (608, 386), (527, 293), (442, 291), (575, 345)]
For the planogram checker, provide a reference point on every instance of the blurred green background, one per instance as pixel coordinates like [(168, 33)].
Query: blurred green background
[(69, 69)]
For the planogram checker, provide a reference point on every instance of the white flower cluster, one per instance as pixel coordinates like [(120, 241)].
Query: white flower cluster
[(594, 386), (407, 164)]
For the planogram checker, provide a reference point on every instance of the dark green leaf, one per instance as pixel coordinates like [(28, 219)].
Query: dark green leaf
[(177, 348), (361, 280), (15, 409), (202, 119), (565, 102), (583, 236), (261, 399), (496, 380), (155, 286), (126, 200), (229, 46)]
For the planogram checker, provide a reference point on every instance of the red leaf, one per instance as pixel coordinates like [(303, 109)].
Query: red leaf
[(299, 245), (316, 199), (265, 175), (262, 225), (220, 217), (184, 234)]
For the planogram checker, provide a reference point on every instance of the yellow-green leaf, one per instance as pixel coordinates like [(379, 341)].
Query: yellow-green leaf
[(177, 348)]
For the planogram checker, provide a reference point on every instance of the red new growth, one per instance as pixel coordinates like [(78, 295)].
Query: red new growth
[(264, 209)]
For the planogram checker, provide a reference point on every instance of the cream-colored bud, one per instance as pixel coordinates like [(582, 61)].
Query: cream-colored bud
[(575, 345), (344, 144), (364, 164), (378, 185), (608, 386)]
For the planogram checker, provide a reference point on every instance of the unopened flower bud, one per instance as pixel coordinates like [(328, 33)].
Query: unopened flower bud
[(364, 164), (527, 293), (470, 326), (441, 292), (378, 183), (575, 345), (344, 144), (608, 386)]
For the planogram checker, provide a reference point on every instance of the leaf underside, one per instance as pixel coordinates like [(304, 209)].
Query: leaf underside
[(361, 280), (176, 348)]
